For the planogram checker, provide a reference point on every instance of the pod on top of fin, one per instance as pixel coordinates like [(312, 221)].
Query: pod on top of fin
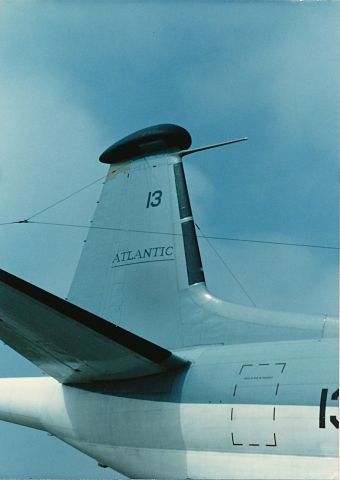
[(149, 141)]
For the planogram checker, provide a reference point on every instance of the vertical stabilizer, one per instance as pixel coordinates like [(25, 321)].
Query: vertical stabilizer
[(141, 268), (141, 253)]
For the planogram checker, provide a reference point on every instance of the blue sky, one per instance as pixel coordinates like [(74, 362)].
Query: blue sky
[(77, 76)]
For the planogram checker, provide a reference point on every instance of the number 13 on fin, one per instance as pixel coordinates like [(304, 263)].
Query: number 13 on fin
[(154, 199)]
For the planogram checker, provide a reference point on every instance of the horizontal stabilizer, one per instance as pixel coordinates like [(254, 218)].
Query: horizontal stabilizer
[(70, 343)]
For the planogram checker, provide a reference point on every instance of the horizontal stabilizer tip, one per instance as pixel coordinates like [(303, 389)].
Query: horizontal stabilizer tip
[(149, 141)]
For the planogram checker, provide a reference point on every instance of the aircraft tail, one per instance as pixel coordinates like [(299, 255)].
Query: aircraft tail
[(141, 251), (141, 268)]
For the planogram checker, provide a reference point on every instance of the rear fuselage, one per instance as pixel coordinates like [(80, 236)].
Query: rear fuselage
[(238, 411)]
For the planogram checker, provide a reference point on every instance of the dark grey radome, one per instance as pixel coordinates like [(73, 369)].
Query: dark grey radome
[(149, 141)]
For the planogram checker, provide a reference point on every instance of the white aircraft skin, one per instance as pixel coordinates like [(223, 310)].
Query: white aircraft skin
[(246, 394)]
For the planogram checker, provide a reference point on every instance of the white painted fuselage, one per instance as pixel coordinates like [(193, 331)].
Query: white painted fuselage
[(237, 412)]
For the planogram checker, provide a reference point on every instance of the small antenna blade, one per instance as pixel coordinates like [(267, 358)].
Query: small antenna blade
[(182, 153)]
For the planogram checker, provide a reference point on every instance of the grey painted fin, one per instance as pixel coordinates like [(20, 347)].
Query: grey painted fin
[(141, 256)]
